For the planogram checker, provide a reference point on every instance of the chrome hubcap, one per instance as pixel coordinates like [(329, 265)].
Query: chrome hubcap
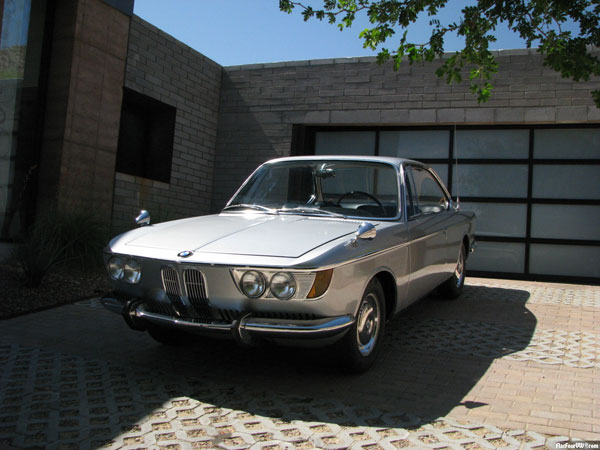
[(367, 324), (460, 268)]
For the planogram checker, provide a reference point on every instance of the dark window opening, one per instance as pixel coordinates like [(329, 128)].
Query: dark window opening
[(146, 137)]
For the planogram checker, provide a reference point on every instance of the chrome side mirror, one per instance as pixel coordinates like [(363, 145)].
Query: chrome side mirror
[(143, 218), (366, 230)]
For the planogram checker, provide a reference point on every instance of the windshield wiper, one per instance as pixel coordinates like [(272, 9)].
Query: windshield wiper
[(309, 209), (251, 206)]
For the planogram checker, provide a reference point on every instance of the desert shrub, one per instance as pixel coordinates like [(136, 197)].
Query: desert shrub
[(70, 239)]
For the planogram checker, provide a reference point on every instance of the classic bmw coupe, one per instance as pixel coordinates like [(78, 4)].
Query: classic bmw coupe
[(310, 250)]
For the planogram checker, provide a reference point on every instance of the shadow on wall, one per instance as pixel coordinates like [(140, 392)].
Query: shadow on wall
[(246, 137)]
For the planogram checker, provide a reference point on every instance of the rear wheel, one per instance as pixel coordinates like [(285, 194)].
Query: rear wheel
[(167, 336), (453, 287), (362, 342)]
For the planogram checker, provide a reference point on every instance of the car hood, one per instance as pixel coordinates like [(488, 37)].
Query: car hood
[(288, 236)]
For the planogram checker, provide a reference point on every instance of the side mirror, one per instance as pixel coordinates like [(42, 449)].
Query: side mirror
[(143, 218), (325, 172), (444, 204), (366, 230)]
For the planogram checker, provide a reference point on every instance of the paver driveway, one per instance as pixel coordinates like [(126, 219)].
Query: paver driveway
[(510, 364)]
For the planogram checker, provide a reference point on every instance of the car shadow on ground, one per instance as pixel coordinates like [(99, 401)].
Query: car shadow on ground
[(433, 354), (119, 381)]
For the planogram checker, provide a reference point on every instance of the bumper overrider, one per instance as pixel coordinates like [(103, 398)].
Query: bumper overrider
[(245, 329)]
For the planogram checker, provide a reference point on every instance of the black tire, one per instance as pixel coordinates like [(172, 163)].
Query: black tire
[(168, 336), (361, 344), (453, 286)]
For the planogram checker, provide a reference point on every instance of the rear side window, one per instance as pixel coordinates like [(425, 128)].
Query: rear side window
[(425, 195)]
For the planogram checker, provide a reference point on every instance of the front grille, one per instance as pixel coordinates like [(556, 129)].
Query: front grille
[(171, 286), (195, 289), (229, 315), (171, 283), (159, 307), (285, 315), (187, 301)]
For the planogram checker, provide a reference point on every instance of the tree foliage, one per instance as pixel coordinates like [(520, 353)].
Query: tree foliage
[(541, 23)]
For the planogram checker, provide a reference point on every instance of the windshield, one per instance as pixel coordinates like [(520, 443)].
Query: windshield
[(332, 187)]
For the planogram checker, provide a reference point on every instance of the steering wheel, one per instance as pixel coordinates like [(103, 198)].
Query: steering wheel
[(365, 194)]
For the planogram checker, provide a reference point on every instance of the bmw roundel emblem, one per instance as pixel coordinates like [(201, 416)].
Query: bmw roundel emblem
[(185, 253)]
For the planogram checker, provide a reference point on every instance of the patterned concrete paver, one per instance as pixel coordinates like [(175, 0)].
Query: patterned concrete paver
[(494, 369)]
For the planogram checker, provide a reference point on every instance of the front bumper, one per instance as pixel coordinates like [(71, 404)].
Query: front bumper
[(246, 329)]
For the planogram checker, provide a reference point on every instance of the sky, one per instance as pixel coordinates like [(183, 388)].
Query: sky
[(236, 32), (15, 23)]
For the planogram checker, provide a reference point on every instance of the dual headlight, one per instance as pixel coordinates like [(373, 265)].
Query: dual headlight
[(254, 284), (282, 285), (126, 269)]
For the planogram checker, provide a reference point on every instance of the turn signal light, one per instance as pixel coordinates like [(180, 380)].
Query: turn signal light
[(321, 283)]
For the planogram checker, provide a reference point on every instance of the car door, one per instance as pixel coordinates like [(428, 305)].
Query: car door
[(428, 213)]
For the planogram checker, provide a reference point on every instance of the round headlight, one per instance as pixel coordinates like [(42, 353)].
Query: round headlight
[(115, 267), (283, 285), (132, 271), (253, 284)]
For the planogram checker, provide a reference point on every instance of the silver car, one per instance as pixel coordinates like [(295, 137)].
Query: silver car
[(310, 250)]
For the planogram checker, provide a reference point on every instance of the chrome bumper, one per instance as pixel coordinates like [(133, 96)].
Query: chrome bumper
[(244, 329)]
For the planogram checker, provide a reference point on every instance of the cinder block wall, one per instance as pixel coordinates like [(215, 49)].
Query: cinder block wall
[(260, 103), (83, 107), (163, 68)]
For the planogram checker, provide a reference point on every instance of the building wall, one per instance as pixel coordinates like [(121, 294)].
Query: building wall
[(165, 69), (260, 104), (83, 106)]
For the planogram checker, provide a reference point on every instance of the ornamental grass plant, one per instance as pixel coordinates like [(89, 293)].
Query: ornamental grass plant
[(60, 239)]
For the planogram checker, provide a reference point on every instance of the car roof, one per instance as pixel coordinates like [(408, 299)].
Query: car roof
[(381, 159)]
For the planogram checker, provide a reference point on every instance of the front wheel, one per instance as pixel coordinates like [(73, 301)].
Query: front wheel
[(453, 287), (362, 342)]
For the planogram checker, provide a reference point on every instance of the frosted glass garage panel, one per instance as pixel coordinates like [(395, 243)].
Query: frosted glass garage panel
[(579, 143), (498, 219), (567, 260), (482, 180), (498, 257), (345, 143), (566, 222), (426, 144), (497, 144), (566, 181)]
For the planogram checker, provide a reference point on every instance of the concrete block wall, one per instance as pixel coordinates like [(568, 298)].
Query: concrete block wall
[(83, 109), (163, 68), (260, 103)]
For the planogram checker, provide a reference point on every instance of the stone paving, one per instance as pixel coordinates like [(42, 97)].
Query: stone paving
[(508, 365)]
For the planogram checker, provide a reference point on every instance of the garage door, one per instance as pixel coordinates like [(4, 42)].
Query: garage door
[(535, 189)]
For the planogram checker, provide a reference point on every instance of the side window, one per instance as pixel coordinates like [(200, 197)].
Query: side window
[(426, 196)]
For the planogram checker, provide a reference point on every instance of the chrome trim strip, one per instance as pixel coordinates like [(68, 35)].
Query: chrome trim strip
[(283, 327), (292, 269), (141, 313), (255, 325), (326, 267), (112, 304)]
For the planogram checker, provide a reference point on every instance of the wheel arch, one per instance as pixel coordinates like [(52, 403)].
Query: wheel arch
[(390, 292), (467, 246)]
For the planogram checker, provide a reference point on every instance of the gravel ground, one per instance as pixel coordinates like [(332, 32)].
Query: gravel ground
[(58, 288)]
